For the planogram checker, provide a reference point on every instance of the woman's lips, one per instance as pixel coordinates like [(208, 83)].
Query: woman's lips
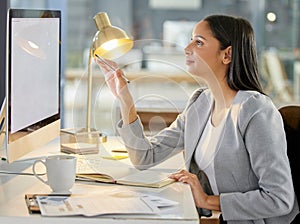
[(188, 61)]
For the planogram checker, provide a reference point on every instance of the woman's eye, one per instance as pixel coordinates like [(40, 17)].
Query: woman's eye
[(199, 43)]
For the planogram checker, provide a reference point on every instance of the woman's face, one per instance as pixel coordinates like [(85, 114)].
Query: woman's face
[(203, 54)]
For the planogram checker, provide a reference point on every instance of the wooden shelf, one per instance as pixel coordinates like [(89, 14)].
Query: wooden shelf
[(73, 74)]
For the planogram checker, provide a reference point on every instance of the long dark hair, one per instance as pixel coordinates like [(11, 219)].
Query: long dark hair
[(237, 33)]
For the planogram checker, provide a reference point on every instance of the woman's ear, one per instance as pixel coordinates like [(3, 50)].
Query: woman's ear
[(227, 55)]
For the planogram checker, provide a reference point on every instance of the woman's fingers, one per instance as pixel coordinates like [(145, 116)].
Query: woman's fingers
[(181, 175), (106, 65), (185, 177), (191, 179), (110, 70)]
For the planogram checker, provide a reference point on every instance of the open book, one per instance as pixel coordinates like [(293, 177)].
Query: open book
[(105, 167), (145, 178), (120, 173)]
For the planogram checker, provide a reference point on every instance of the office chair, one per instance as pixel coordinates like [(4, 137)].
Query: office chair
[(291, 119)]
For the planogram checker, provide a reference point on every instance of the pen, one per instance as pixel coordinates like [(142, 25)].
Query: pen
[(112, 68), (119, 151)]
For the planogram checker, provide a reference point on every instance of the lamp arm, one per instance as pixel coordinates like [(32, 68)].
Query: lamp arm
[(89, 90)]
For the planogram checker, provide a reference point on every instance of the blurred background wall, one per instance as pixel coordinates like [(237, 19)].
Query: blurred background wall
[(161, 29)]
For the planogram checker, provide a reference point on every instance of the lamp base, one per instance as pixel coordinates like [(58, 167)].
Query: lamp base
[(81, 141)]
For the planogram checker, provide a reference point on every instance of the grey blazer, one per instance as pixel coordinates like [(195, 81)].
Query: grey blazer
[(251, 165)]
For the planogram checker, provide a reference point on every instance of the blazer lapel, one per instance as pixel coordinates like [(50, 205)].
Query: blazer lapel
[(196, 119)]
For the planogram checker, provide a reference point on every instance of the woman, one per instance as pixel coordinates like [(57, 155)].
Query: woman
[(230, 132)]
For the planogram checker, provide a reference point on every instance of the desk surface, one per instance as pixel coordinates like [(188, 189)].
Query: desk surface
[(13, 188)]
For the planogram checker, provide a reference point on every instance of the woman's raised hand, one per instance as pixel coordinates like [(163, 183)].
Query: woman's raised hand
[(116, 82), (113, 76)]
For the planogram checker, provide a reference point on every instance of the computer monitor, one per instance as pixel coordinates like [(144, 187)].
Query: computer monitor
[(32, 80)]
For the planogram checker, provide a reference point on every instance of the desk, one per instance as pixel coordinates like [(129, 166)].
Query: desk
[(13, 188)]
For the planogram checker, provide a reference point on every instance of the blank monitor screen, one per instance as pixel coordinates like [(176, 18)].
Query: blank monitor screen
[(33, 77)]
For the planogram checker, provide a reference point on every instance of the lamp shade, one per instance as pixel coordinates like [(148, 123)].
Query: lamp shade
[(109, 42)]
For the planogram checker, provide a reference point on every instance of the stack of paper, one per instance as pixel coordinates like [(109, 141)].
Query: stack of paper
[(80, 148)]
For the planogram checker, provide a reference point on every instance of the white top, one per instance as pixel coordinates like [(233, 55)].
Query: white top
[(207, 149)]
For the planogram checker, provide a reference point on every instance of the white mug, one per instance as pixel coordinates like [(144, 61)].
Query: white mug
[(61, 172)]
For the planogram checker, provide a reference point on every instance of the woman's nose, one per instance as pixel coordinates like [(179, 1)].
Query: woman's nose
[(187, 51)]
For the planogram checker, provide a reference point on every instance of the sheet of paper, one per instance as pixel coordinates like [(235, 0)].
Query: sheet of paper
[(110, 204), (153, 199), (94, 205), (159, 201), (55, 206), (146, 176)]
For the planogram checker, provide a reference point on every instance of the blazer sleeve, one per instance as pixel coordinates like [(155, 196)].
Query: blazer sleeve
[(144, 151)]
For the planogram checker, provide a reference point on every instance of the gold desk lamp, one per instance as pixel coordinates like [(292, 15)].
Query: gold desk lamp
[(109, 42)]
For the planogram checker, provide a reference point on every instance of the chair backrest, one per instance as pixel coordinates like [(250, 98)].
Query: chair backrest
[(291, 119)]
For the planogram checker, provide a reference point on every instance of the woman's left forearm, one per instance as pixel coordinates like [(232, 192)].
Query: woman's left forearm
[(212, 202)]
